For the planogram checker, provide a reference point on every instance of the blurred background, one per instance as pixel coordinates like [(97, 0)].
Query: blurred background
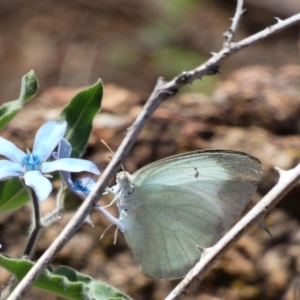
[(252, 106), (73, 43)]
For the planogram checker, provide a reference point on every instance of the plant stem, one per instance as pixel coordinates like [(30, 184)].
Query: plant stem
[(36, 226), (35, 230), (51, 218)]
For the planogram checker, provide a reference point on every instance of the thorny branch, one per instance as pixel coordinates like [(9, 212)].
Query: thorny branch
[(229, 34), (162, 91), (287, 180)]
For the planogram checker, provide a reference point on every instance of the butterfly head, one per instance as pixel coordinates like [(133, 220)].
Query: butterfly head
[(124, 180), (125, 190)]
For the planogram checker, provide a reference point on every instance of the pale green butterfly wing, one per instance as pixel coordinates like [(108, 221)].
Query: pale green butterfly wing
[(184, 201), (164, 236)]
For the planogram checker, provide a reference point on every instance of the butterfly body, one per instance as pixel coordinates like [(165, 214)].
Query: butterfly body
[(170, 207)]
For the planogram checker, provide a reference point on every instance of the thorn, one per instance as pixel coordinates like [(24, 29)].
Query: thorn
[(280, 171), (202, 249), (245, 11), (278, 20), (262, 224), (183, 78), (89, 221), (160, 82), (214, 70), (213, 53), (205, 251)]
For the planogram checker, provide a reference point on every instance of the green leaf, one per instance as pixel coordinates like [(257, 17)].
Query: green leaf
[(79, 114), (64, 281), (13, 194), (28, 89)]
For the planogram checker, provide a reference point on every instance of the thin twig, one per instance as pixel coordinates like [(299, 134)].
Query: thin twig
[(287, 180), (230, 33), (161, 92)]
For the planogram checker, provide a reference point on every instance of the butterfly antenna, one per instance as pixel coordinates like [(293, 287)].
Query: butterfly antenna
[(116, 235), (89, 180), (102, 235), (105, 144)]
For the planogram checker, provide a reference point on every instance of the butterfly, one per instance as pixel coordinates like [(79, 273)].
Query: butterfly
[(170, 207)]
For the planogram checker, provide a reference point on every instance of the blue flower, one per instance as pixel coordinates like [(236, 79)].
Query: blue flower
[(33, 166), (86, 184), (83, 186)]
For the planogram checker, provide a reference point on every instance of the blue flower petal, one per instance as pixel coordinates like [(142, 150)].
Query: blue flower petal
[(88, 182), (65, 176), (10, 151), (40, 184), (84, 186), (10, 169), (64, 149), (70, 165), (47, 138)]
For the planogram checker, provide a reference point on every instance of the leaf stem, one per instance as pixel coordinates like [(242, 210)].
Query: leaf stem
[(51, 218)]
